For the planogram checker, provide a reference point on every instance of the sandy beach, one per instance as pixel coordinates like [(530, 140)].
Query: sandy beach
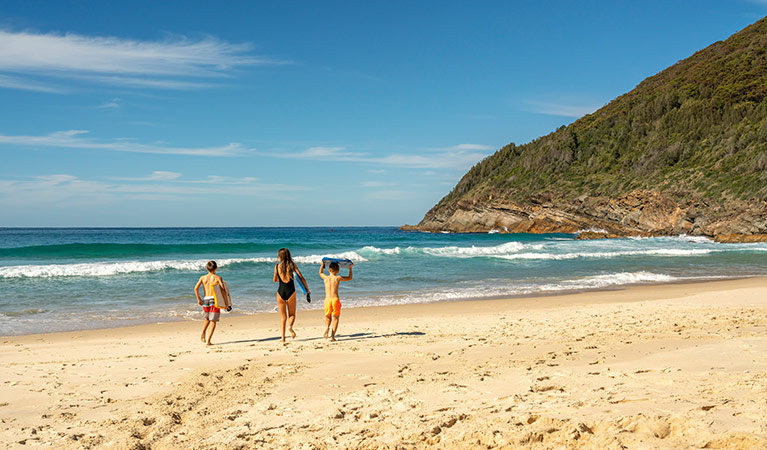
[(650, 367)]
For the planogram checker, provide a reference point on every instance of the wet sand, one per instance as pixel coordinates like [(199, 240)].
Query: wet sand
[(651, 367)]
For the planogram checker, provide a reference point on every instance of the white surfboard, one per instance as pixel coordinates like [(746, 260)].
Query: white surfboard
[(222, 298)]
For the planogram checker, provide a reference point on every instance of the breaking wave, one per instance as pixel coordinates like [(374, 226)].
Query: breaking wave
[(104, 269), (450, 251), (511, 251), (517, 250), (653, 252)]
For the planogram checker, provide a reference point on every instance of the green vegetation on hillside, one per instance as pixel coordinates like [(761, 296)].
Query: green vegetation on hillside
[(697, 129)]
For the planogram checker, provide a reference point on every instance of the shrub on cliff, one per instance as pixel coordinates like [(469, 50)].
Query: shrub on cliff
[(698, 128)]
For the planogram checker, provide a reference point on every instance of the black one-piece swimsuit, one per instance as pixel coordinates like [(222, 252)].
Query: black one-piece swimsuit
[(285, 290)]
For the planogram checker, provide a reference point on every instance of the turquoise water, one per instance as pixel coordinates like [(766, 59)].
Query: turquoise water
[(70, 279)]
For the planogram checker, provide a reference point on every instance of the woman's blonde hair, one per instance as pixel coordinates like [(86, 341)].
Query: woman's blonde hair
[(287, 266)]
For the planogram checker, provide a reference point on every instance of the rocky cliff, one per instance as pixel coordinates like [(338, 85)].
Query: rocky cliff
[(683, 152), (639, 213)]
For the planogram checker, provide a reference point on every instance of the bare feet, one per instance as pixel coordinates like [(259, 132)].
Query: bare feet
[(208, 344), (202, 338), (325, 336), (292, 334), (332, 339)]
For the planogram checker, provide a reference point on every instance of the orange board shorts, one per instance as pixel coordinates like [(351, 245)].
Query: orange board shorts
[(332, 307)]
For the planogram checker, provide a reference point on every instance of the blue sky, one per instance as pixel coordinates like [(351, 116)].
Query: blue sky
[(184, 113)]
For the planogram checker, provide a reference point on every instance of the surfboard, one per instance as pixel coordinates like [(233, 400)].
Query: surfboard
[(302, 287), (341, 262), (222, 299)]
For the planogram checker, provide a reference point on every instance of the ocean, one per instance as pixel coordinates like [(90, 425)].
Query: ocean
[(73, 279)]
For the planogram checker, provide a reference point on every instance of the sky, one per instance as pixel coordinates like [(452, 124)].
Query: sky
[(303, 113)]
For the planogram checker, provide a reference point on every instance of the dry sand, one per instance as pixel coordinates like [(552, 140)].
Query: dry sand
[(654, 367)]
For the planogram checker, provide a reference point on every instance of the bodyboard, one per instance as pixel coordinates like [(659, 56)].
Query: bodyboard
[(300, 284), (342, 263), (222, 299), (302, 287)]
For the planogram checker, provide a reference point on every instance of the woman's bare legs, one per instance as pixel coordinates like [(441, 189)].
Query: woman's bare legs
[(291, 315), (287, 311), (282, 306)]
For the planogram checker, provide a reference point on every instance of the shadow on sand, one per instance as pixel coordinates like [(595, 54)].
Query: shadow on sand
[(339, 337)]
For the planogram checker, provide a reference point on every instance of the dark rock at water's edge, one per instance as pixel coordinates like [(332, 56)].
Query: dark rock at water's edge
[(638, 214), (685, 152), (741, 238)]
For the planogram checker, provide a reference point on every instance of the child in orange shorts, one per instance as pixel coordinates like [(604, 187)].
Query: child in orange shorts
[(332, 302)]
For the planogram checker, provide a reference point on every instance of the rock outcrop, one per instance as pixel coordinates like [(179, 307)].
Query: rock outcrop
[(639, 213)]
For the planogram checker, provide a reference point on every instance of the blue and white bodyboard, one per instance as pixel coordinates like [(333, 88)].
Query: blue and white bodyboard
[(302, 287), (299, 282), (342, 263)]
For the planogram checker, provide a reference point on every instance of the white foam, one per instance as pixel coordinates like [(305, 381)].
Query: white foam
[(99, 269), (591, 230), (316, 259), (23, 313), (683, 238), (506, 288), (694, 239), (511, 250), (381, 251), (613, 279), (652, 252), (450, 251), (470, 252), (104, 269), (678, 252)]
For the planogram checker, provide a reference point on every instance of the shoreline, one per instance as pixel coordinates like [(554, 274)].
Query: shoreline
[(651, 366), (531, 295)]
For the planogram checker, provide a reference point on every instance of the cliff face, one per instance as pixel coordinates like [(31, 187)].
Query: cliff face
[(683, 152), (640, 213)]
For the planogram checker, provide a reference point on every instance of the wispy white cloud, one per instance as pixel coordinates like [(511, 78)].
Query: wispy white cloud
[(453, 157), (164, 64), (469, 147), (157, 175), (458, 157), (554, 109), (322, 152), (217, 179), (175, 177), (388, 194), (112, 105), (376, 184), (11, 82), (164, 175), (62, 189), (137, 82), (76, 139)]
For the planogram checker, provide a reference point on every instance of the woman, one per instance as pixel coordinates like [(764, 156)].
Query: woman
[(286, 291)]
